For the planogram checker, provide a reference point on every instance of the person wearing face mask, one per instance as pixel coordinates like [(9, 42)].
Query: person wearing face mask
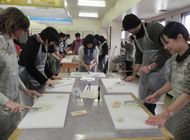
[(13, 23), (150, 56), (33, 59), (76, 44), (175, 37), (88, 55), (103, 54)]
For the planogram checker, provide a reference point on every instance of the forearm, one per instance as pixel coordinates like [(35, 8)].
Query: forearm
[(94, 64), (152, 66), (179, 103), (55, 56), (164, 89)]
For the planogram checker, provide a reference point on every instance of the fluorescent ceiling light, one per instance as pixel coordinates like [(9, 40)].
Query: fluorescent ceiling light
[(94, 3), (85, 14)]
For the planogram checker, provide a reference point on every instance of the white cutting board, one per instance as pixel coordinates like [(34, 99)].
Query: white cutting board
[(67, 59), (51, 115), (64, 85), (92, 93), (116, 85), (86, 74), (126, 117)]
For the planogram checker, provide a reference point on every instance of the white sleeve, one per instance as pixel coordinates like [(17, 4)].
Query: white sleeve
[(81, 53), (3, 99), (96, 55)]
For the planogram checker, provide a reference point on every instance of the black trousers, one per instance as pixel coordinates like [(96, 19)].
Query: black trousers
[(129, 67), (150, 107)]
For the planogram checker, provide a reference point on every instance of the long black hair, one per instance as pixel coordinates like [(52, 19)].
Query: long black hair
[(89, 39), (173, 29), (50, 34)]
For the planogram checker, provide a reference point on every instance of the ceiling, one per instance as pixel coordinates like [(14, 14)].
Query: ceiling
[(54, 9), (145, 11), (38, 3), (74, 8)]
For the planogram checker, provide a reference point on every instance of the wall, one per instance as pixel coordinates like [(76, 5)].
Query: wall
[(79, 25), (115, 42), (120, 7), (171, 16)]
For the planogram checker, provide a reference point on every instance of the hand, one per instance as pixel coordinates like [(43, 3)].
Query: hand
[(54, 77), (87, 67), (15, 107), (50, 82), (59, 59), (90, 66), (158, 120), (151, 98), (129, 78), (144, 69), (32, 93)]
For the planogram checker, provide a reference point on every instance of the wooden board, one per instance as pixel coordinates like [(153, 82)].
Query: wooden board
[(86, 74), (127, 116), (51, 115), (64, 85)]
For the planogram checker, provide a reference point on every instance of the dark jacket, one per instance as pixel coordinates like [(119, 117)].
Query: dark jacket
[(28, 58)]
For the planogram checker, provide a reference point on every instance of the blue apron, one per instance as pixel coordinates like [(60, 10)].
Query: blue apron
[(88, 59)]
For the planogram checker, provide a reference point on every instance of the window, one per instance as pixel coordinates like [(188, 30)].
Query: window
[(186, 20)]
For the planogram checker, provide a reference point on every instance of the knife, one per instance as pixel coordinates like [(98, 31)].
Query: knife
[(25, 108)]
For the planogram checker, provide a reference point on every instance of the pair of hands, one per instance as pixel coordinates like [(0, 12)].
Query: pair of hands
[(141, 69), (52, 82), (16, 107), (159, 119), (89, 67)]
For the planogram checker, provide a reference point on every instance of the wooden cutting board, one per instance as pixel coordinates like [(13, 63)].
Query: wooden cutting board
[(52, 113), (128, 115)]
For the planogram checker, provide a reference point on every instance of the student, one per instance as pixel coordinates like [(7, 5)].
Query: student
[(150, 56), (13, 23), (174, 38), (103, 54), (129, 55), (53, 59), (62, 43), (33, 59), (76, 44), (88, 54)]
